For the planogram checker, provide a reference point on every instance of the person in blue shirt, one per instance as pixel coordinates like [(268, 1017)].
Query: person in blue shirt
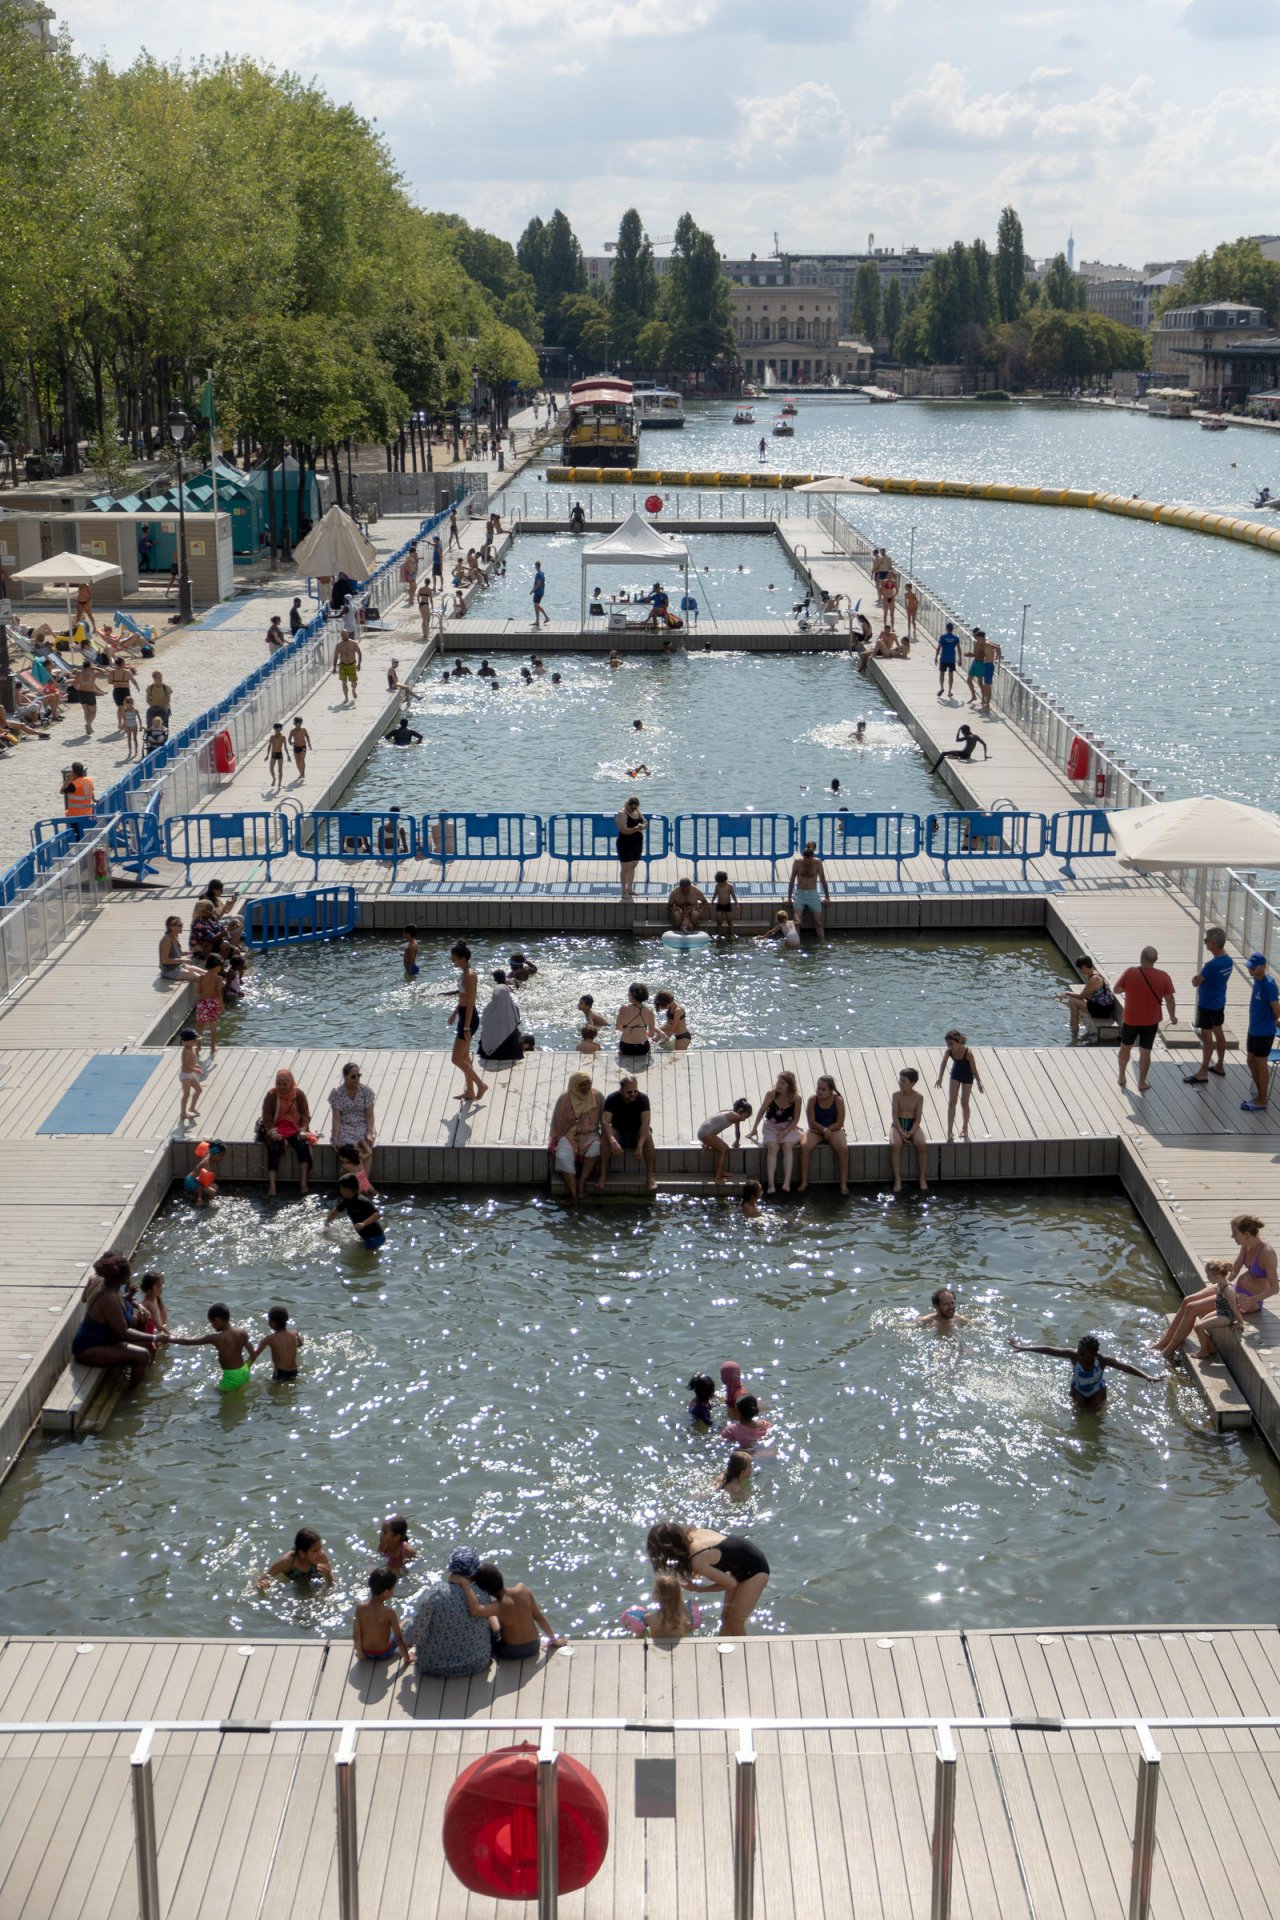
[(949, 654), (1211, 1005), (1264, 1017), (539, 588)]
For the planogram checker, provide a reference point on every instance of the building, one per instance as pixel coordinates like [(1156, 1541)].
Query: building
[(1114, 299), (1270, 245), (1224, 349), (1097, 270), (908, 266), (35, 19), (793, 334), (1157, 278)]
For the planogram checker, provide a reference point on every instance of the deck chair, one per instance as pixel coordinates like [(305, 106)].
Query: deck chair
[(130, 625)]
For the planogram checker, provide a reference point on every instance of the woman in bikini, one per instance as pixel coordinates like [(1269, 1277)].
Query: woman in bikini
[(635, 1024), (707, 1562), (675, 1024), (1253, 1276), (465, 1020)]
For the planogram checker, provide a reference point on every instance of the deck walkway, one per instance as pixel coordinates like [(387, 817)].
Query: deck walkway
[(1044, 1820)]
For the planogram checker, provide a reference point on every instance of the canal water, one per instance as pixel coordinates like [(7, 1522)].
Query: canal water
[(870, 990), (509, 1375)]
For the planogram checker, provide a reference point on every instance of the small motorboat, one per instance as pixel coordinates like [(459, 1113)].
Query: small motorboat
[(1266, 498), (744, 417), (1214, 423), (783, 429), (789, 406)]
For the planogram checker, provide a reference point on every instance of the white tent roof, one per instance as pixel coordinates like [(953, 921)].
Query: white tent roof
[(635, 539), (335, 545), (1203, 832), (66, 570)]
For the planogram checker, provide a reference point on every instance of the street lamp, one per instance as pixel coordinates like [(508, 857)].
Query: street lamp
[(179, 426), (286, 543)]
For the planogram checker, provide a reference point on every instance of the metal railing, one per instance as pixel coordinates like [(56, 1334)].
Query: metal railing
[(40, 919), (678, 503), (746, 1795)]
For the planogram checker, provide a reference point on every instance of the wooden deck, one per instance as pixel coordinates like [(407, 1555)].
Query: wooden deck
[(1044, 1821)]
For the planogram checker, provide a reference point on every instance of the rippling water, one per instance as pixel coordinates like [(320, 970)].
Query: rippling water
[(859, 990), (506, 1374)]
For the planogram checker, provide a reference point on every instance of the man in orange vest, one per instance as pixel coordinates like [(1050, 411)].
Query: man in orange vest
[(77, 795)]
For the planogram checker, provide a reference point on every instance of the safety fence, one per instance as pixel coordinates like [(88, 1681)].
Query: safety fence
[(61, 898), (544, 1818), (300, 919), (678, 503)]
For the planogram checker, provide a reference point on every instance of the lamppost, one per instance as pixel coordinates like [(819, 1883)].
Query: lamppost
[(286, 542), (179, 426)]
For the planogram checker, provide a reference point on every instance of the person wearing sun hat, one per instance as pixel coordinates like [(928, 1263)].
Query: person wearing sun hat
[(1264, 1017), (447, 1643)]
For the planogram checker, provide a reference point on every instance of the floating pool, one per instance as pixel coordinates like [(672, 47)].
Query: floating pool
[(721, 732), (742, 575), (859, 990), (512, 1376)]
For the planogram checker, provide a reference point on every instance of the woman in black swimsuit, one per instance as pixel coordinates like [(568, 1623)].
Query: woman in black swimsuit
[(636, 1024), (464, 1020), (104, 1337), (704, 1561), (631, 825)]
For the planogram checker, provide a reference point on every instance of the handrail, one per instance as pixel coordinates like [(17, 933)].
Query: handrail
[(943, 1728)]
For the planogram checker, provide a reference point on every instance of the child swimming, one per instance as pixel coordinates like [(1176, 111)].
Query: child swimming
[(360, 1210), (701, 1409), (282, 1342), (376, 1629), (305, 1561), (410, 953), (746, 1429), (736, 1478), (749, 1205), (202, 1181), (231, 1344), (393, 1543), (730, 1371), (357, 1158), (1088, 1368)]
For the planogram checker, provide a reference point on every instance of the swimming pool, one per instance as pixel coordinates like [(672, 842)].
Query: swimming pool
[(861, 989), (731, 574), (720, 732), (511, 1375)]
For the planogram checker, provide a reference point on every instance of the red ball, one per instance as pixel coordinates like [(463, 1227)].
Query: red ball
[(654, 503), (491, 1827)]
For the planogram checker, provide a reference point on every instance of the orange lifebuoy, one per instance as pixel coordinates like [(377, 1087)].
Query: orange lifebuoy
[(224, 753), (491, 1828), (1078, 759)]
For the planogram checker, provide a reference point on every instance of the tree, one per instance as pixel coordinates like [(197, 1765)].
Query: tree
[(1062, 288), (696, 303), (891, 314), (866, 302), (1010, 268), (633, 289), (1235, 270)]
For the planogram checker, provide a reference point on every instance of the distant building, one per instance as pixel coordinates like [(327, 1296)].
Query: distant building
[(794, 333), (1157, 278), (35, 19), (599, 268), (1270, 245), (907, 265), (1224, 349), (1114, 299), (1096, 270)]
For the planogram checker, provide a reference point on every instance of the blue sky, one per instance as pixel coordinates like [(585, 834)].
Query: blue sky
[(1149, 129)]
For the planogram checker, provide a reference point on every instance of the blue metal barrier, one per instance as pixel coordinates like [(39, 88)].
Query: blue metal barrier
[(387, 837), (189, 837), (863, 836), (1080, 835), (592, 837), (986, 836), (482, 836), (702, 838), (300, 919)]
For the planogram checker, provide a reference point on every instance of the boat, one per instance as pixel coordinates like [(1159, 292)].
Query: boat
[(783, 429), (1266, 498), (600, 424), (659, 407), (1170, 403), (1214, 423), (879, 396), (789, 406), (744, 417)]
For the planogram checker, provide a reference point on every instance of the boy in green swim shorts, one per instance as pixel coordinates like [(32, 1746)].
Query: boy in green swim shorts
[(231, 1344)]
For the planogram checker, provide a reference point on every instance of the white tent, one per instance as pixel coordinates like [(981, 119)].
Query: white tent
[(1203, 832), (335, 545), (68, 571), (635, 540)]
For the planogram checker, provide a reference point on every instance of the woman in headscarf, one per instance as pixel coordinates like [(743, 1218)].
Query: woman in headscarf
[(500, 1024), (286, 1121), (576, 1138)]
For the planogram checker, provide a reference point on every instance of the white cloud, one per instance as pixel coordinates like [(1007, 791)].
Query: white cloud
[(1050, 76), (802, 129), (941, 112)]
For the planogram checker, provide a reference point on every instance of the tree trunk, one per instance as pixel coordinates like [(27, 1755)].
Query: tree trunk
[(335, 468)]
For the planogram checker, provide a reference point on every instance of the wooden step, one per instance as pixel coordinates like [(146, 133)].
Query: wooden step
[(67, 1409), (1227, 1405)]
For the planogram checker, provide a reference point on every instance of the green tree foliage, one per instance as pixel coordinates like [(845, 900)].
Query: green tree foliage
[(866, 302), (1010, 267), (1235, 270), (550, 254), (696, 303), (1062, 289), (633, 287), (1065, 348), (161, 220), (891, 314)]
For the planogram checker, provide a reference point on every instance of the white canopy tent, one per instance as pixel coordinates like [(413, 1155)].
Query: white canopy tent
[(1203, 832), (635, 540), (67, 572), (336, 545)]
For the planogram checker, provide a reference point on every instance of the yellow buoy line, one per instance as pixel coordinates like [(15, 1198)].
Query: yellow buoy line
[(1224, 526)]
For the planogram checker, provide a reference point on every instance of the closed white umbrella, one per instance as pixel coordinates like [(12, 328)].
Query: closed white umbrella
[(336, 545), (69, 571), (1203, 832)]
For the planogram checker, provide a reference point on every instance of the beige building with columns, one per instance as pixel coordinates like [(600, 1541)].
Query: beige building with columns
[(794, 332)]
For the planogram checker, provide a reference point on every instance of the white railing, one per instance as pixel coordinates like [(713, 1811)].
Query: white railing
[(678, 503), (742, 1835), (56, 907)]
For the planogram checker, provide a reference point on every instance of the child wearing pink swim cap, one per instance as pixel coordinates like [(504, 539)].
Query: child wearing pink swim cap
[(731, 1381)]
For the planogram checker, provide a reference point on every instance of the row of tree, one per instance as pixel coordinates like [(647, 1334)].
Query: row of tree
[(166, 220)]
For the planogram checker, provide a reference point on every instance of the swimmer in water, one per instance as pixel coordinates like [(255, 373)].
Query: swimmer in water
[(749, 1205), (393, 1543), (640, 773), (410, 953), (615, 660), (736, 1478), (859, 732), (906, 1128), (1088, 1369), (784, 930), (588, 1039), (942, 1315), (701, 1409), (306, 1561)]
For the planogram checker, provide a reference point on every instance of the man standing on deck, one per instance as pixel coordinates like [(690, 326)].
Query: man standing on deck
[(949, 654), (1144, 987), (539, 588), (437, 561), (1211, 1005), (1264, 1017), (347, 662)]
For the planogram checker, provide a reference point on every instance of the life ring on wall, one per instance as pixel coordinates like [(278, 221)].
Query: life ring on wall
[(224, 753), (1078, 759), (490, 1828)]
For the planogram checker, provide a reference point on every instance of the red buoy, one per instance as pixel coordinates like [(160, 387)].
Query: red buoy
[(224, 753), (654, 503), (491, 1824), (1078, 759)]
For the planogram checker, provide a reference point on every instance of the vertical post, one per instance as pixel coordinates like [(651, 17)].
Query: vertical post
[(142, 1780), (744, 1827), (1144, 1824), (548, 1826), (344, 1773), (944, 1821)]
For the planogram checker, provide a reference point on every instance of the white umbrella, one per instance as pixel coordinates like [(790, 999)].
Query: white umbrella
[(336, 545), (69, 571), (1203, 832)]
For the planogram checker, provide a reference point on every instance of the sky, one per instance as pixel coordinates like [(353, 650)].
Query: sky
[(1149, 129)]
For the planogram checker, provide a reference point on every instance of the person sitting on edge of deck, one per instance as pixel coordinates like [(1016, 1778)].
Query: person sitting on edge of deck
[(686, 905)]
